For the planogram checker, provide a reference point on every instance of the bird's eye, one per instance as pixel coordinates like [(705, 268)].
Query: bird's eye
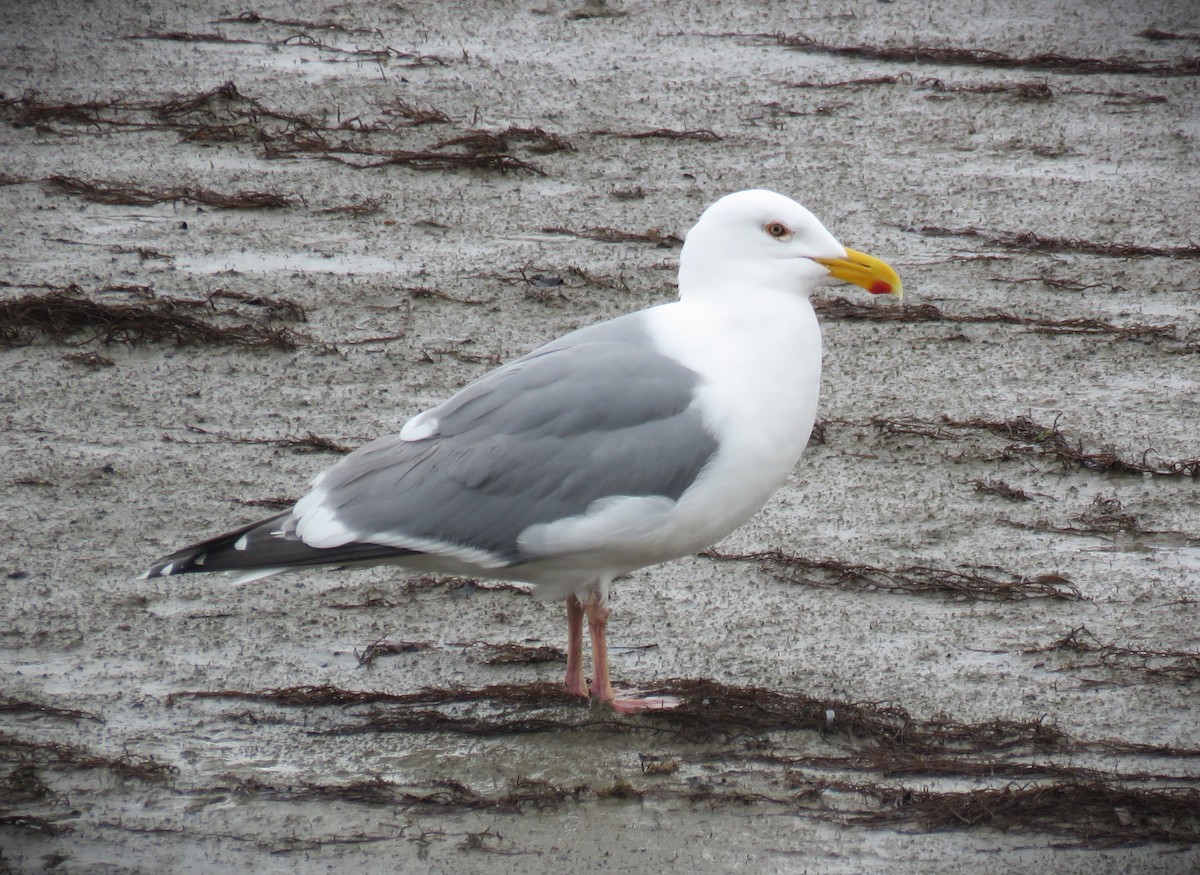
[(778, 230)]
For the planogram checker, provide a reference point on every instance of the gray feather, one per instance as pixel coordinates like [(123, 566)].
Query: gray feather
[(595, 414)]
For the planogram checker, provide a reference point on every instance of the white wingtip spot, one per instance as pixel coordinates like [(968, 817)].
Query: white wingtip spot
[(240, 544), (421, 426)]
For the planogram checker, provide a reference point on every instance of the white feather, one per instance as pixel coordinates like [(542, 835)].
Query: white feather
[(422, 426)]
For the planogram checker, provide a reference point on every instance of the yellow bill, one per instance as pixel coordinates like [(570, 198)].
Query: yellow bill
[(876, 276)]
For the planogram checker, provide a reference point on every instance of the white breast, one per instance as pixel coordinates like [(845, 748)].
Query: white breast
[(760, 358)]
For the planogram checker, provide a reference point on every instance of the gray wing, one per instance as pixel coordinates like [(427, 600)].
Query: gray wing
[(595, 414)]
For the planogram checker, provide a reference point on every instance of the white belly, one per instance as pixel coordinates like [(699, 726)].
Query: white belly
[(760, 401)]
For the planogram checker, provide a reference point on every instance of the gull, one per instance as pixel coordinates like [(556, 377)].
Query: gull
[(618, 446)]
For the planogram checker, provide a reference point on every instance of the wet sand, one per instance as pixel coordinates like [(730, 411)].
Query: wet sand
[(963, 637)]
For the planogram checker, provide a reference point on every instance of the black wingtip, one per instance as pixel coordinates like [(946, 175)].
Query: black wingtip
[(221, 553), (264, 548)]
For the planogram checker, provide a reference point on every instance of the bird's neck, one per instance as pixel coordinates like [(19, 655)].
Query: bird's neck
[(734, 281), (739, 304)]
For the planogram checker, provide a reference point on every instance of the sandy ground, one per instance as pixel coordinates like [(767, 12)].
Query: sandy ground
[(1078, 758)]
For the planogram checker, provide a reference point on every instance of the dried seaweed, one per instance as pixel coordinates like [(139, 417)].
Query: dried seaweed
[(65, 312), (184, 36), (373, 602), (1023, 90), (91, 359), (821, 109), (511, 653), (107, 192), (1028, 240), (537, 140), (387, 54), (892, 763), (29, 110), (1036, 90), (612, 235), (284, 309), (225, 103), (366, 207), (52, 754), (545, 284), (486, 150), (418, 159), (1178, 665), (444, 795), (433, 355), (1029, 90), (415, 115), (382, 647), (853, 83), (703, 135), (224, 114), (1030, 437), (300, 696), (309, 442), (709, 710), (1065, 283), (845, 309), (12, 705), (304, 40), (428, 292), (1107, 515), (278, 502), (970, 584), (1098, 812), (1004, 490), (1022, 428), (522, 793), (921, 54)]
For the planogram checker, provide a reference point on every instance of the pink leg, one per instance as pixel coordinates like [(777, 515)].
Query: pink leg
[(575, 683), (597, 615), (626, 701)]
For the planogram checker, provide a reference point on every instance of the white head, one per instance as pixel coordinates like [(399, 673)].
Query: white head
[(763, 240)]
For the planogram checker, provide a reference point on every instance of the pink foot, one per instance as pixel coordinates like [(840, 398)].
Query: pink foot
[(602, 694), (577, 689), (634, 701)]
